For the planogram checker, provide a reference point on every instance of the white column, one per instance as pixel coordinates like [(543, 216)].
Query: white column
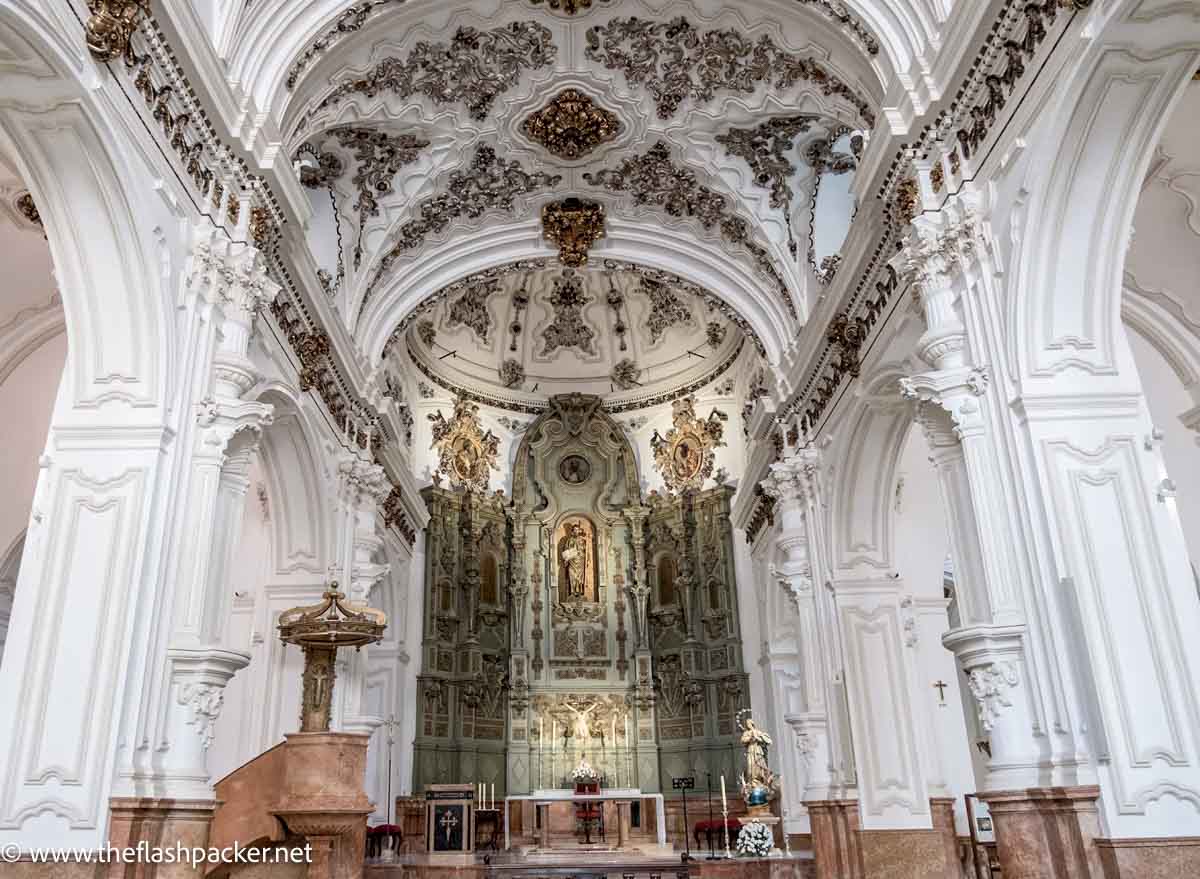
[(791, 483), (226, 285)]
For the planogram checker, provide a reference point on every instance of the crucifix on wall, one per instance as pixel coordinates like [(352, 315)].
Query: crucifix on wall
[(941, 686)]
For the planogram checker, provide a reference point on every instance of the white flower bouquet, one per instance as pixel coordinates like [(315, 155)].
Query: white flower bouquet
[(755, 840), (584, 772)]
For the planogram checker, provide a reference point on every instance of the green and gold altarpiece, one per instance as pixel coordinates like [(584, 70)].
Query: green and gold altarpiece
[(575, 617)]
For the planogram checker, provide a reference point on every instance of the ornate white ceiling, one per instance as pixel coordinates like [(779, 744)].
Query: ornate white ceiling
[(721, 123), (521, 333)]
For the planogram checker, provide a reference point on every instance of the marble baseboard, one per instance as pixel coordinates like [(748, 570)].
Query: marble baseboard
[(1168, 858)]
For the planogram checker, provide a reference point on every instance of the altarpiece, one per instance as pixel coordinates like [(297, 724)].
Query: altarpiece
[(577, 617)]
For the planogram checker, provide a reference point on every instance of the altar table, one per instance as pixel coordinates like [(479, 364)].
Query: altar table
[(623, 797)]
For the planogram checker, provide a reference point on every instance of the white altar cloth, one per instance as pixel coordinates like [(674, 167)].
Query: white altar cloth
[(560, 795)]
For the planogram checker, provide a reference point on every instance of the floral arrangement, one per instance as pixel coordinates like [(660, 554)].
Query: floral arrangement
[(584, 772), (755, 840)]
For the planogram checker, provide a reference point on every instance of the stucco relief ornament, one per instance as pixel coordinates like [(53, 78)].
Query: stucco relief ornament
[(666, 308), (203, 702), (572, 125), (569, 7), (512, 373), (466, 453), (685, 456), (568, 329), (675, 61), (653, 179), (574, 225), (625, 375), (470, 309), (990, 685), (474, 68)]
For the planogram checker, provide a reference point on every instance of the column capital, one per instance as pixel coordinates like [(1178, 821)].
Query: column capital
[(222, 418), (793, 480), (231, 274), (363, 479), (955, 392)]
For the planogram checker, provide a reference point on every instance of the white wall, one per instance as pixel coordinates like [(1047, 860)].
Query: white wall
[(1167, 400)]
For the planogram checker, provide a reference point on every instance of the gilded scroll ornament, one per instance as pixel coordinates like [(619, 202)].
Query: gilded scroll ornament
[(685, 455), (572, 125), (111, 25), (574, 225), (466, 453)]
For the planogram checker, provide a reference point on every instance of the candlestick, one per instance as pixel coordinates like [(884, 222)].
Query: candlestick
[(725, 821), (493, 796)]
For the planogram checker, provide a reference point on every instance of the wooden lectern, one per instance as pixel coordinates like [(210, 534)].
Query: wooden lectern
[(449, 819)]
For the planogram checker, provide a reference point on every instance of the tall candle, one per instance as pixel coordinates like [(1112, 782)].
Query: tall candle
[(724, 804), (612, 734), (554, 737), (541, 731), (493, 795)]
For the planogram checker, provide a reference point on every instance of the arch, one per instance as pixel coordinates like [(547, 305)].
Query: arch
[(1085, 178), (291, 466), (108, 268), (876, 428), (660, 248)]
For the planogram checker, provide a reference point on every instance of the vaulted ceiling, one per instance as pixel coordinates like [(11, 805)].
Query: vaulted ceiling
[(720, 143)]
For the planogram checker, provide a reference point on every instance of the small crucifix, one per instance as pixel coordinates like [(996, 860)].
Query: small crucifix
[(940, 686), (449, 822)]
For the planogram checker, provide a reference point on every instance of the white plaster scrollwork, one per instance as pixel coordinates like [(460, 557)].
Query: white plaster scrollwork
[(908, 617), (795, 584), (806, 747), (203, 702), (990, 685)]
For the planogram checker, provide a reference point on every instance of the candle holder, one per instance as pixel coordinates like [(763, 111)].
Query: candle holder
[(725, 829)]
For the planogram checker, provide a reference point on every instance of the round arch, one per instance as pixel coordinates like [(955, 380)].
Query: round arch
[(659, 248), (115, 301), (1085, 177)]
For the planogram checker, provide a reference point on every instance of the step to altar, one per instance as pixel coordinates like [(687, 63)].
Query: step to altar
[(591, 864)]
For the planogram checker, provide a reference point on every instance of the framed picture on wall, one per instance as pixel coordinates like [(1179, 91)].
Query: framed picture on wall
[(980, 819)]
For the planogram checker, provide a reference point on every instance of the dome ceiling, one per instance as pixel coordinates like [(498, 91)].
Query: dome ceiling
[(519, 335)]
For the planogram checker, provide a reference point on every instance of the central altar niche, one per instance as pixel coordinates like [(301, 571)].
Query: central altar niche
[(575, 541)]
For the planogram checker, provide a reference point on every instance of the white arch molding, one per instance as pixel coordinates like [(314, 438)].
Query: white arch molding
[(410, 283), (91, 544)]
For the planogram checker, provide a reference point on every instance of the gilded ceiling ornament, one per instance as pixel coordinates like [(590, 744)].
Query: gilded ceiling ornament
[(625, 375), (28, 209), (685, 455), (907, 203), (763, 148), (466, 453), (262, 230), (715, 334), (847, 336), (653, 179), (676, 61), (666, 309), (328, 168), (937, 177), (571, 125), (837, 10), (350, 21), (474, 68), (111, 25), (574, 225), (489, 183), (568, 329), (828, 269), (470, 309), (512, 373), (824, 159), (380, 156)]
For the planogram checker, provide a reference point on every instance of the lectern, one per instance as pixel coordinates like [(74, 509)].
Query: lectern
[(449, 819)]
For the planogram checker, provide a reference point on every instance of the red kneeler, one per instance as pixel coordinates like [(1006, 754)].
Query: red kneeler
[(587, 814), (709, 828)]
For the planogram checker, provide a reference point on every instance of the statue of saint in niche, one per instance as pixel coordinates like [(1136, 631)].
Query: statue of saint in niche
[(576, 571)]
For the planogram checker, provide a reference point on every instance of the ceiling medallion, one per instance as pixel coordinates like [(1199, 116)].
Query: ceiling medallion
[(466, 453), (574, 225), (571, 125), (685, 456)]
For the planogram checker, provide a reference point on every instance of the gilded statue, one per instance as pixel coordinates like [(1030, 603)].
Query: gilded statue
[(759, 784)]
